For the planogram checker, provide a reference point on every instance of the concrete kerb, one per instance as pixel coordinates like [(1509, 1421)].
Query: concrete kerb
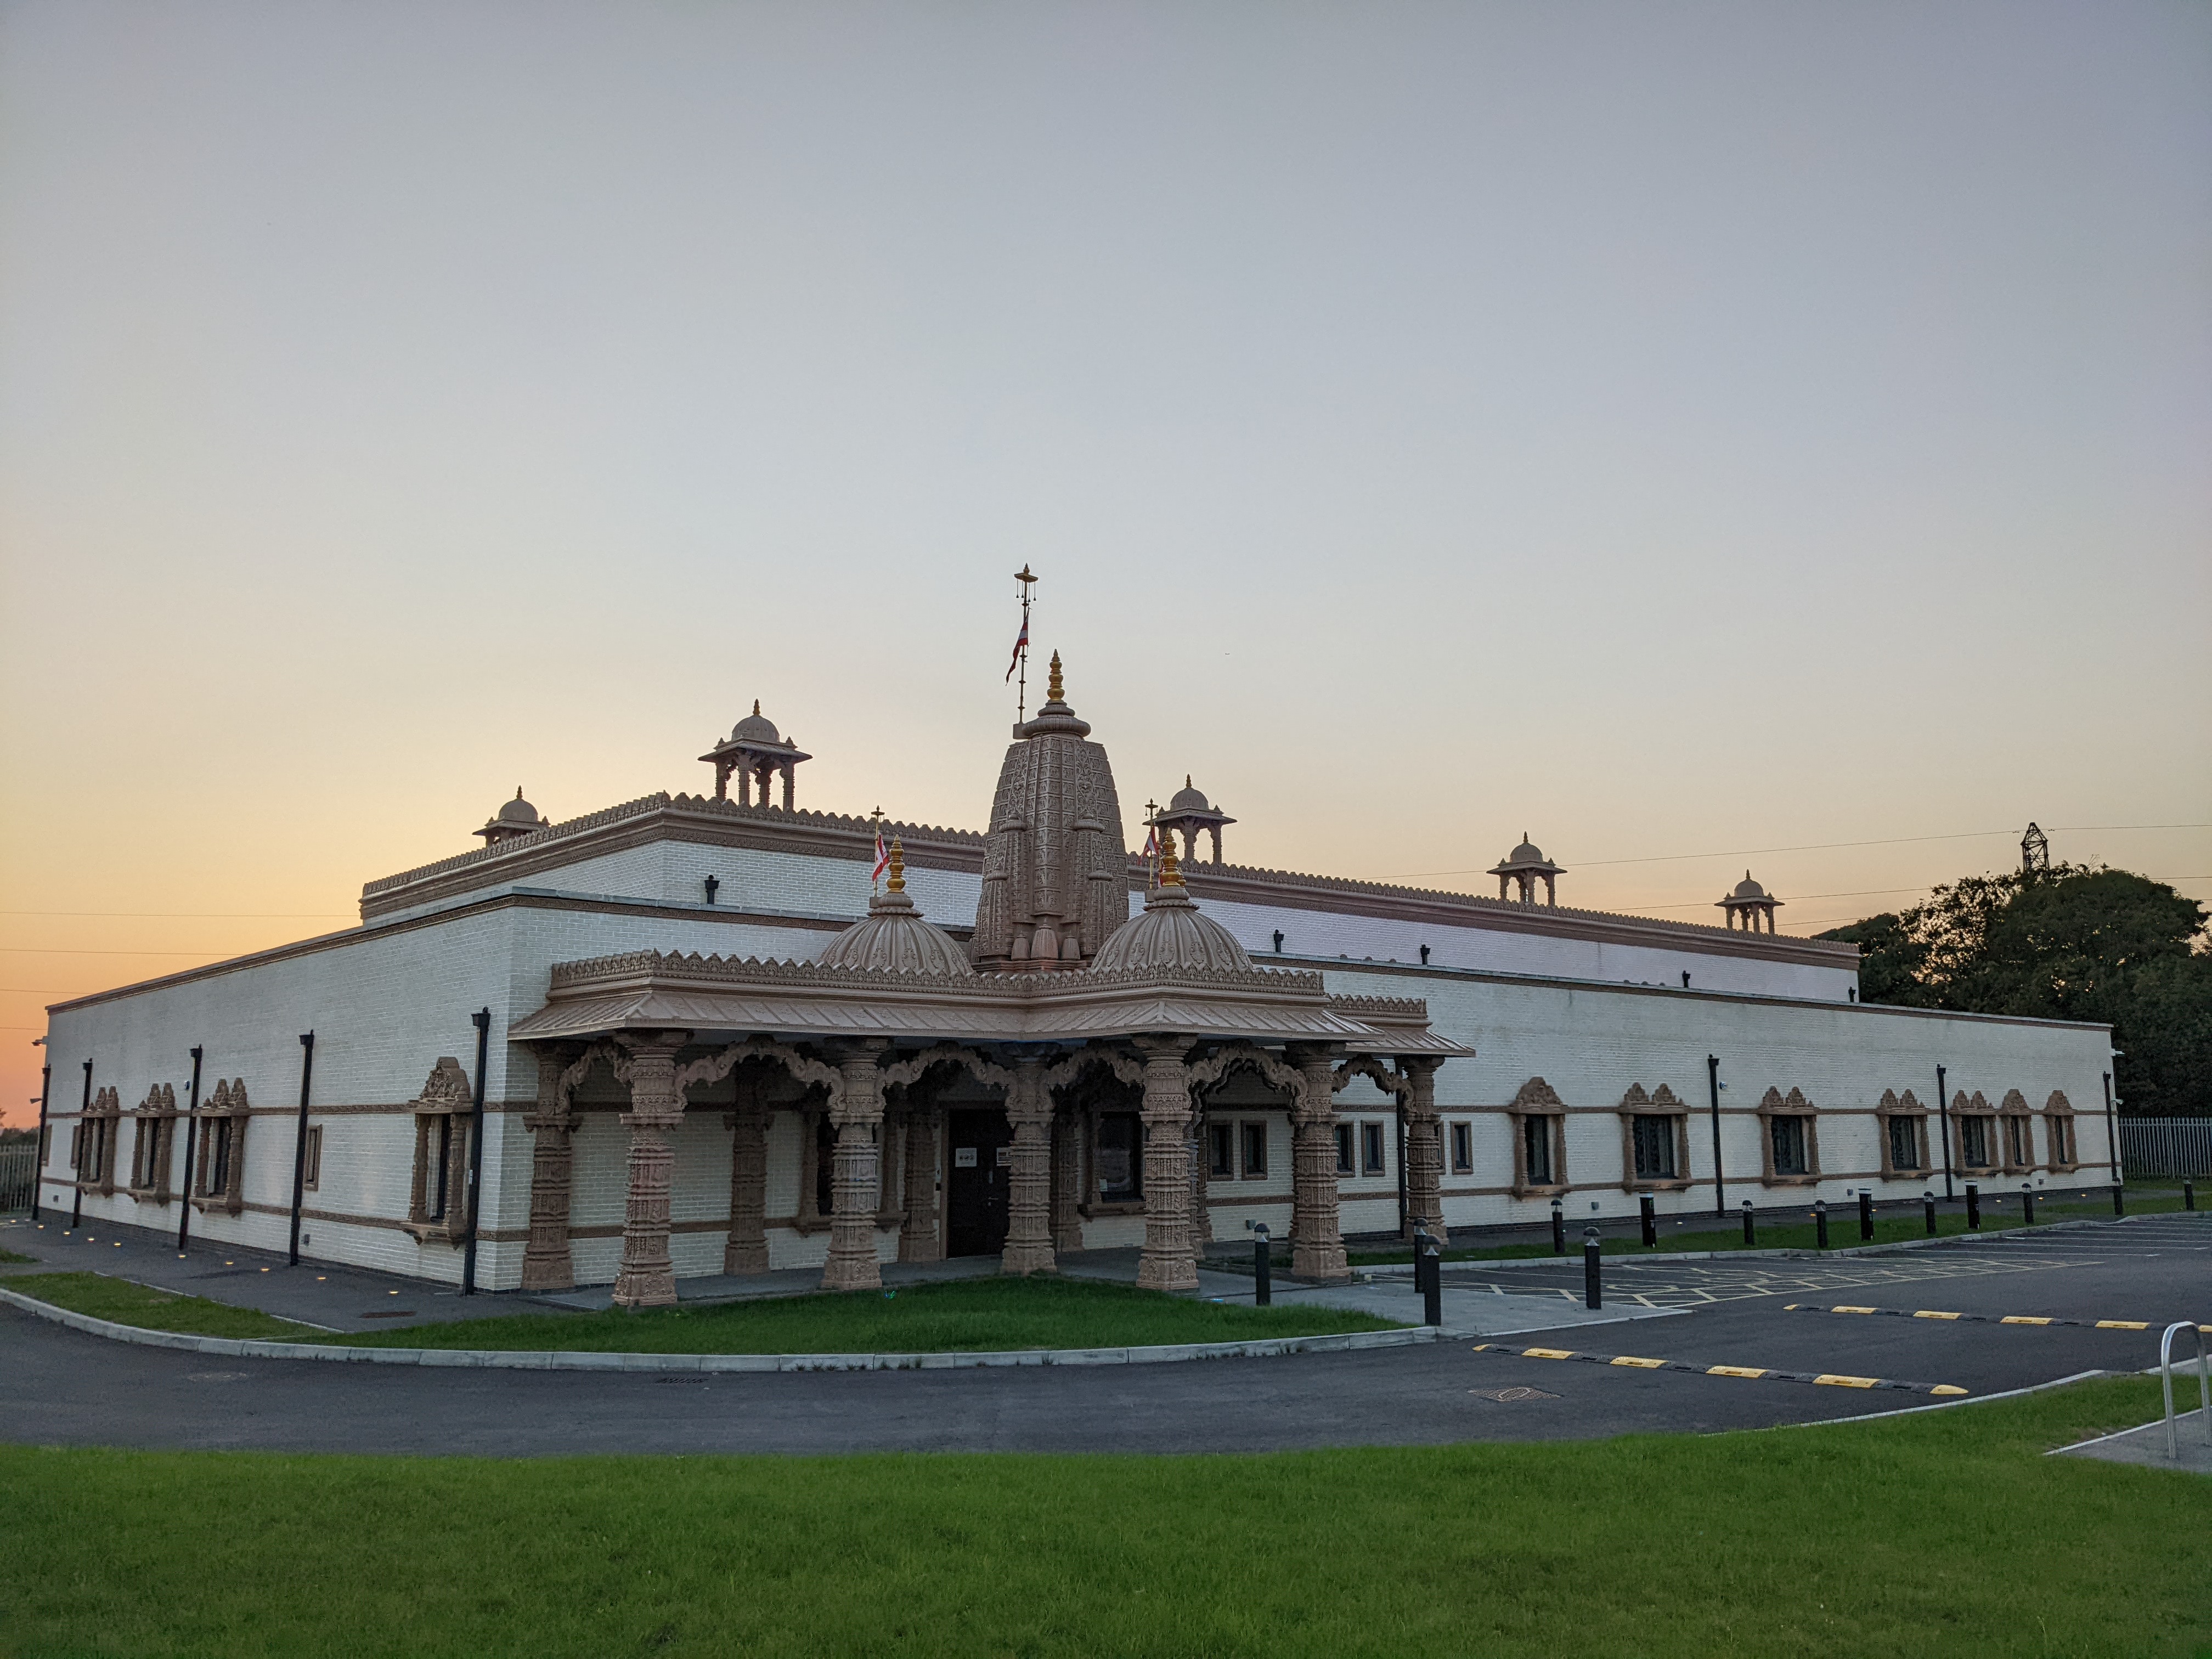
[(233, 1347)]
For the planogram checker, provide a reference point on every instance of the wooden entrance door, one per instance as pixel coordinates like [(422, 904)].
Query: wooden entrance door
[(978, 1146)]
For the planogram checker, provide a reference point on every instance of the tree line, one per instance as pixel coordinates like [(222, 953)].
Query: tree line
[(2072, 942)]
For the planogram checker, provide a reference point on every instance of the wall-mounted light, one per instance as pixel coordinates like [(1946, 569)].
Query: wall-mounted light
[(713, 884)]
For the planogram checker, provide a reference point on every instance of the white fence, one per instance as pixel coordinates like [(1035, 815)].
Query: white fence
[(19, 1163), (2165, 1145)]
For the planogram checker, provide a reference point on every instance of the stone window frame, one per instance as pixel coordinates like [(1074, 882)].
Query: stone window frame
[(153, 1155), (312, 1174), (103, 1118), (1221, 1148), (1252, 1132), (1907, 1106), (1462, 1146), (1374, 1149), (222, 1147), (1978, 1106), (2016, 1124), (1664, 1103), (2058, 1119), (1793, 1106), (445, 1096), (1347, 1152), (1537, 1099)]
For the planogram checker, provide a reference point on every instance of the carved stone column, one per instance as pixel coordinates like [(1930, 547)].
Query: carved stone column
[(647, 1277), (858, 1113), (546, 1264), (1201, 1178), (1424, 1150), (1029, 1176), (918, 1239), (746, 1251), (1168, 1263), (1316, 1236), (1066, 1179)]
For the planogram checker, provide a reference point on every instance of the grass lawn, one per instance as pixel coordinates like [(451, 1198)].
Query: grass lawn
[(1945, 1534), (964, 1314), (970, 1316), (152, 1310), (9, 1258), (1800, 1234)]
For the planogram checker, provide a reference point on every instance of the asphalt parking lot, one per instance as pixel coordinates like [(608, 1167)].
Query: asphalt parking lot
[(59, 1387)]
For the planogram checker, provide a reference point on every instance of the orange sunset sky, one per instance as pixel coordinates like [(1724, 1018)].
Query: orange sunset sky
[(1697, 436)]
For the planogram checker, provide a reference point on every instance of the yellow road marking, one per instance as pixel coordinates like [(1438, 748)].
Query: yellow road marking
[(1924, 1314), (2123, 1325), (1631, 1359), (2022, 1319), (1851, 1311), (1947, 1388), (1548, 1354), (1847, 1382), (1736, 1370)]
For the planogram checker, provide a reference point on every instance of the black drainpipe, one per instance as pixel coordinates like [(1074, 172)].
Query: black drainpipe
[(1943, 1123), (482, 1020), (1400, 1099), (39, 1170), (191, 1135), (77, 1203), (300, 1140), (1713, 1086), (2111, 1131)]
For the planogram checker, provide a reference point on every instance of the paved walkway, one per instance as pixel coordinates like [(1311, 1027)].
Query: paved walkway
[(2146, 1446)]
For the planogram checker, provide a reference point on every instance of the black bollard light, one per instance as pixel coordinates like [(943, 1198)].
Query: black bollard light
[(2119, 1199), (1432, 1293), (1866, 1214), (1423, 1248), (1263, 1281), (1973, 1207), (2188, 1193), (1559, 1229), (2027, 1205), (1645, 1205), (1821, 1223), (1928, 1200), (1750, 1242), (1593, 1291)]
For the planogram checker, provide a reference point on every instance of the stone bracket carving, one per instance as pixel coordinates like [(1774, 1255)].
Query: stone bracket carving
[(1127, 1067), (713, 1068), (1232, 1056), (910, 1070)]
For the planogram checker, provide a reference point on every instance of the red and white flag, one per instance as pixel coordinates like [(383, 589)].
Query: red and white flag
[(1151, 855), (1021, 645), (883, 858)]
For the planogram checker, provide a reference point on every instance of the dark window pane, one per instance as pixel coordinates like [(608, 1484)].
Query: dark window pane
[(1220, 1149), (1255, 1148), (1371, 1148), (1788, 1134), (1462, 1149), (1120, 1158), (1655, 1148), (1536, 1147), (1343, 1166), (1904, 1144)]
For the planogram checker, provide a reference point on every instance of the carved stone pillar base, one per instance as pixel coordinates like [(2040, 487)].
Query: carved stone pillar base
[(746, 1252), (1029, 1179), (858, 1112), (1424, 1150), (1067, 1180), (1316, 1232), (918, 1236), (647, 1277), (1169, 1262), (546, 1262)]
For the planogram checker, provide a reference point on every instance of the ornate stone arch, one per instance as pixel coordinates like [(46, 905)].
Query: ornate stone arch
[(219, 1183), (2058, 1134), (1639, 1106), (1388, 1079)]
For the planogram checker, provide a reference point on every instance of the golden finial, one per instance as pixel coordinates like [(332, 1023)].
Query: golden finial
[(518, 795), (1170, 875), (1052, 691), (896, 884)]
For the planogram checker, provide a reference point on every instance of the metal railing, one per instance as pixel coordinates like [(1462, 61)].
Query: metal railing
[(2203, 1384), (2165, 1145), (19, 1170)]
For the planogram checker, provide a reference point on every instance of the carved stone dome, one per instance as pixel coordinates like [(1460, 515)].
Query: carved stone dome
[(1171, 935), (756, 727), (894, 938), (518, 812), (1527, 853), (1747, 889), (1188, 799)]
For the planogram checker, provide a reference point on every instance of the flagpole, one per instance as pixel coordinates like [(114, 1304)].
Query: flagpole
[(1022, 695)]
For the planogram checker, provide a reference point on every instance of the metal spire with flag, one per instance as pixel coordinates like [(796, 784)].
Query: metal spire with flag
[(1152, 853), (1021, 660), (883, 854)]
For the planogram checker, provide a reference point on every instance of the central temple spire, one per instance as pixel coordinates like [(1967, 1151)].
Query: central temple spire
[(1055, 870)]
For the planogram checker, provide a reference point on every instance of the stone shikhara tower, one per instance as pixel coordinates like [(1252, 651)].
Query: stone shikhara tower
[(1055, 875)]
